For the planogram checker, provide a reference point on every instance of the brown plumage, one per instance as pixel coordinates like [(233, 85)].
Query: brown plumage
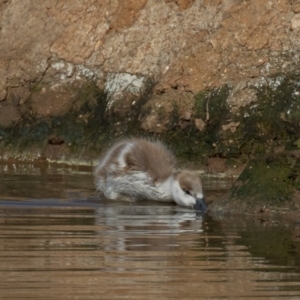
[(144, 169), (140, 158), (145, 153)]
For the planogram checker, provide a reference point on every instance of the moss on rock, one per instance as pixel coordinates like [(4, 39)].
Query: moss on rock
[(82, 126), (266, 121), (87, 127), (214, 123), (270, 183)]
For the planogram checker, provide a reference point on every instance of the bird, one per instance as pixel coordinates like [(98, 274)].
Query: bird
[(142, 169)]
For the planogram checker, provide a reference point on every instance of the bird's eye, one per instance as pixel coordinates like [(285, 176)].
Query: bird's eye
[(187, 192)]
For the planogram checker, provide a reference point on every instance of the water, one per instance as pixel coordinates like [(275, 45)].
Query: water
[(59, 240)]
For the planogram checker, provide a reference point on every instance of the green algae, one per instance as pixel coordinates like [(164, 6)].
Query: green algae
[(83, 125), (268, 181), (269, 124), (88, 126), (188, 142)]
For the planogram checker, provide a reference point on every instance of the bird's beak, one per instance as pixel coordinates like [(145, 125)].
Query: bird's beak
[(200, 205)]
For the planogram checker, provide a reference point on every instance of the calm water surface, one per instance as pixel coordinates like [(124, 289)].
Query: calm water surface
[(60, 240)]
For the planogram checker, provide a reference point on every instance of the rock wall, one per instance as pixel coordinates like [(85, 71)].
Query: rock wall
[(219, 74)]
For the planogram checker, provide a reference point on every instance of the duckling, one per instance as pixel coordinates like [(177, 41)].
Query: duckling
[(140, 169)]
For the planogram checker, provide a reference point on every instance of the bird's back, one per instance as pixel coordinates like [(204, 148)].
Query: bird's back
[(138, 155), (151, 157)]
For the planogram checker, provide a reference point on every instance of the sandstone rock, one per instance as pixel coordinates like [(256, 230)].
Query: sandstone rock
[(3, 94), (241, 96), (232, 126), (120, 84), (200, 124), (205, 45), (18, 95), (216, 165), (61, 68), (3, 90), (155, 115), (182, 4), (9, 114), (26, 50), (186, 105), (296, 6), (52, 101), (126, 13), (295, 22)]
